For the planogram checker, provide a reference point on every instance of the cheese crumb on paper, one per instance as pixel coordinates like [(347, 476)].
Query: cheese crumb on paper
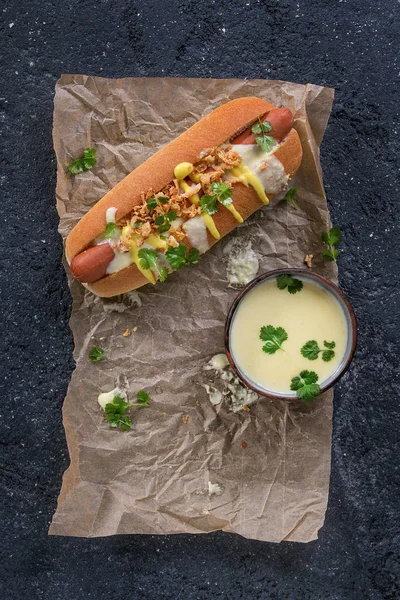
[(242, 262), (226, 387), (107, 397), (214, 488)]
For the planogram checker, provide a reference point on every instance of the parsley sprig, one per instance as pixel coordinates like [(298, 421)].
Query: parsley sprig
[(180, 257), (305, 385), (289, 197), (116, 410), (96, 354), (273, 338), (222, 193), (311, 350), (261, 128), (84, 162), (149, 260), (331, 239), (293, 285)]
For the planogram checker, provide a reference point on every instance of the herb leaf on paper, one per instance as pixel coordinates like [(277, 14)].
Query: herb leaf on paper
[(331, 239), (83, 163), (289, 197), (96, 354)]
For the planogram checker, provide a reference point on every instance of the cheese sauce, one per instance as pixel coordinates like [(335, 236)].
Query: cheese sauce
[(311, 314)]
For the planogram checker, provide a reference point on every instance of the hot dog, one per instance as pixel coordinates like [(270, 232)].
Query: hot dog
[(186, 197)]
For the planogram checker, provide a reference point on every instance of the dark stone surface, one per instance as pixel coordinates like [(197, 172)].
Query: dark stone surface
[(350, 45)]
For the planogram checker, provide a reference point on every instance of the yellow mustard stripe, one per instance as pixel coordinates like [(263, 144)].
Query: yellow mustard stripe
[(249, 178), (210, 224), (208, 220), (134, 253), (156, 242), (186, 188), (235, 213)]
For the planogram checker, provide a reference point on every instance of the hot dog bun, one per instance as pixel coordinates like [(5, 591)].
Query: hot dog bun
[(213, 130)]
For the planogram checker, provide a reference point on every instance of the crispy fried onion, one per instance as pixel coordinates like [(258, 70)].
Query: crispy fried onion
[(141, 222)]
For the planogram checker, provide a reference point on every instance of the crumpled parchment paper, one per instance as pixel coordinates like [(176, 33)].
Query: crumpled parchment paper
[(271, 464)]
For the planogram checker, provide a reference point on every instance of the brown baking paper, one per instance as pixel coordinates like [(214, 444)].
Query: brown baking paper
[(271, 464)]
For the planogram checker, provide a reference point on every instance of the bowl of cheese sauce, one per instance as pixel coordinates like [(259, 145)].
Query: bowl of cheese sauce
[(285, 323)]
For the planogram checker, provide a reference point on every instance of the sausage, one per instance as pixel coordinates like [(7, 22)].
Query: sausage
[(281, 120), (91, 264)]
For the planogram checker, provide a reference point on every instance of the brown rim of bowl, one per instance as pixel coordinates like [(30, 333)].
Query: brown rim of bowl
[(335, 290)]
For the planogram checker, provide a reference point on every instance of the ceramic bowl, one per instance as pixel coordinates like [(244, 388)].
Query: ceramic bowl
[(351, 328)]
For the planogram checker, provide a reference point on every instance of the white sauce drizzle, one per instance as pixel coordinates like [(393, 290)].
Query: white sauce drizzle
[(110, 214), (196, 232), (120, 261), (273, 177)]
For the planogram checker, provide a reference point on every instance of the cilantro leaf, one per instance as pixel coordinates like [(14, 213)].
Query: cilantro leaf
[(110, 230), (310, 350), (305, 385), (115, 414), (164, 221), (163, 274), (331, 239), (115, 411), (288, 281), (273, 338), (89, 158), (327, 355), (261, 126), (164, 227), (179, 257), (170, 216), (266, 142), (193, 256), (96, 354), (331, 254), (163, 199), (143, 398), (289, 197), (330, 345), (151, 203), (148, 258), (209, 204), (83, 163), (76, 166), (125, 423), (223, 191), (137, 224)]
